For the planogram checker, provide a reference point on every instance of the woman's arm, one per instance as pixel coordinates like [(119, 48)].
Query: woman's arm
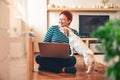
[(48, 35)]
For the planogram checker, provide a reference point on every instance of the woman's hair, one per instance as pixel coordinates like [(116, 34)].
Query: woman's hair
[(68, 14)]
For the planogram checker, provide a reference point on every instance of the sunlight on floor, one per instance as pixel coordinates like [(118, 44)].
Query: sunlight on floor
[(100, 58)]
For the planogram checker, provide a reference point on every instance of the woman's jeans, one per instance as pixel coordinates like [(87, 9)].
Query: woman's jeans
[(55, 64)]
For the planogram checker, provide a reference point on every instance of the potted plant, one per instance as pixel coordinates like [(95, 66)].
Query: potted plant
[(109, 36)]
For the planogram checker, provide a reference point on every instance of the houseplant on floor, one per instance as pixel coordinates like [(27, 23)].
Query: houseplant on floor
[(109, 36)]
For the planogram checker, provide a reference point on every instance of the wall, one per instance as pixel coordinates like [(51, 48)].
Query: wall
[(13, 59), (37, 18), (18, 52), (4, 41), (18, 13)]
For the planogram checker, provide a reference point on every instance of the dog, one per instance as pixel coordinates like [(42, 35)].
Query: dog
[(81, 48)]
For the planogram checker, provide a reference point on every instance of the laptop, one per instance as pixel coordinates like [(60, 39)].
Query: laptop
[(54, 50)]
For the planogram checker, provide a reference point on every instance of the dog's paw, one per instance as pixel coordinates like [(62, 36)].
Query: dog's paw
[(87, 72), (71, 55)]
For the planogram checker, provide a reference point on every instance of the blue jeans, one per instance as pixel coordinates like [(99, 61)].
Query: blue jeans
[(55, 64)]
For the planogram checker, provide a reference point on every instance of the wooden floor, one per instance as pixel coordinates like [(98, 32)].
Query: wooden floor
[(80, 75)]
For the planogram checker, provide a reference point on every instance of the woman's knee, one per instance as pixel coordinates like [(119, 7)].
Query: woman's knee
[(37, 59), (73, 60)]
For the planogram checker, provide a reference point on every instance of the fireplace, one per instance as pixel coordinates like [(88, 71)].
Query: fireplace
[(88, 23)]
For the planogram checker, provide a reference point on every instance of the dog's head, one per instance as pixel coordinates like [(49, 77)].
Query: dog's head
[(67, 31)]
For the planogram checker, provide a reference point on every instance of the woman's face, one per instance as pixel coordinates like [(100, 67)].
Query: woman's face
[(63, 21)]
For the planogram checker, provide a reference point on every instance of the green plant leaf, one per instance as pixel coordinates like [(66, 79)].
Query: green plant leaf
[(109, 36), (114, 71)]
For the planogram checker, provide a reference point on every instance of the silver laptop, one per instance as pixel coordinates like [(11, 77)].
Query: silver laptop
[(54, 50)]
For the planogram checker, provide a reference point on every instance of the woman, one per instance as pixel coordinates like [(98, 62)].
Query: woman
[(56, 34)]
